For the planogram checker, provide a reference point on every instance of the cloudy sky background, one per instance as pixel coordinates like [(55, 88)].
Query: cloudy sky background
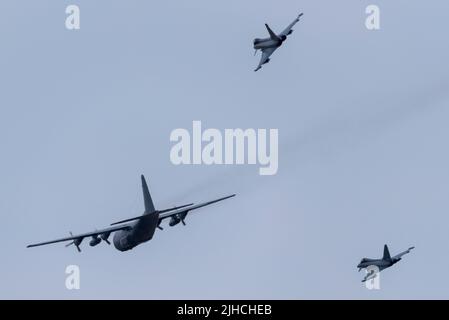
[(363, 151)]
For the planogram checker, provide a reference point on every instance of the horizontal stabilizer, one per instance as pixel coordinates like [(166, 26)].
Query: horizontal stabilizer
[(197, 206), (174, 208), (157, 211)]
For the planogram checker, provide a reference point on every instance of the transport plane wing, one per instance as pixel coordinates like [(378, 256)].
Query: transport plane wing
[(77, 239)]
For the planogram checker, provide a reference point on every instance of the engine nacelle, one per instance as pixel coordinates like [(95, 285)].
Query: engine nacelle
[(174, 221), (95, 240)]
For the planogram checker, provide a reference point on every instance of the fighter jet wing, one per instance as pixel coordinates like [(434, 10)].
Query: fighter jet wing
[(187, 209), (80, 237), (289, 30), (265, 58), (398, 256)]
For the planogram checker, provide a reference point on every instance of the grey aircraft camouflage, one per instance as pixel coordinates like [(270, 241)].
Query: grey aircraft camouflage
[(381, 264), (269, 45), (134, 231)]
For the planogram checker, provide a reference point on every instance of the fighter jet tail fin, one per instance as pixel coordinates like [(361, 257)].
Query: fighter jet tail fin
[(149, 206), (273, 35), (386, 254)]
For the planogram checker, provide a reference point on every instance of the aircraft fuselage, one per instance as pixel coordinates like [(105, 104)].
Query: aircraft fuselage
[(266, 43), (140, 232), (380, 263)]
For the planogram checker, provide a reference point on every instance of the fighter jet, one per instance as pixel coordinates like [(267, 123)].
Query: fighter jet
[(269, 45), (381, 264), (127, 234)]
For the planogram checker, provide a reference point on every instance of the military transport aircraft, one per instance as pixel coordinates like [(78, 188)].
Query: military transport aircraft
[(269, 45), (128, 235), (381, 264)]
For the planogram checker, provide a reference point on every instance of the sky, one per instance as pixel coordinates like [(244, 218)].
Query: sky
[(363, 159)]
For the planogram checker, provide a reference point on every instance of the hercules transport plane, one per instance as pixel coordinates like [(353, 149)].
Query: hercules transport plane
[(131, 232), (381, 264), (269, 45)]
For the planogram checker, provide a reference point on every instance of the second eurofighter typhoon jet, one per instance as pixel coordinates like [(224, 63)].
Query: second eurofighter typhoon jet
[(269, 45), (129, 235), (381, 264)]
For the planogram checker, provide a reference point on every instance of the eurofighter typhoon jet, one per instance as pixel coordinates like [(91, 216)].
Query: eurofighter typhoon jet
[(381, 264), (269, 45), (129, 234)]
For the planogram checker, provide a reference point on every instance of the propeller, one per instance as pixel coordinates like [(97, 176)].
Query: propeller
[(76, 242), (182, 217), (105, 236), (174, 208)]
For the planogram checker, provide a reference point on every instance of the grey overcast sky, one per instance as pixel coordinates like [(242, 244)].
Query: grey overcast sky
[(363, 147)]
